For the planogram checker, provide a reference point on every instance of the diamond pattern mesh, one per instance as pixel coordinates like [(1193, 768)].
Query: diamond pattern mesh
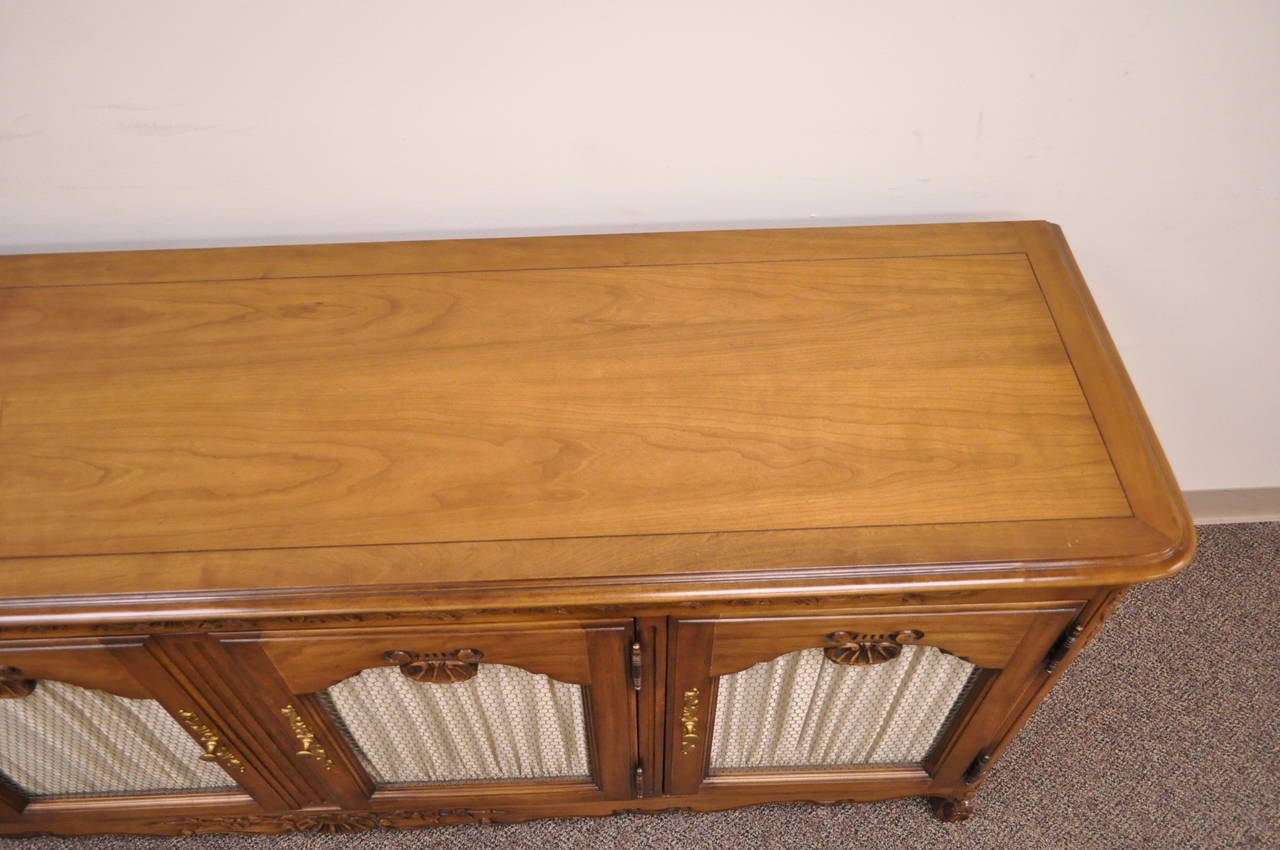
[(63, 740), (505, 723), (801, 710)]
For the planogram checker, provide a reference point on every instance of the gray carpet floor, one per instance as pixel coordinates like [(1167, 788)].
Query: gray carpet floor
[(1162, 734)]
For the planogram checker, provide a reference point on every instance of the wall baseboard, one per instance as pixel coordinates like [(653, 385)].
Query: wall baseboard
[(1246, 504)]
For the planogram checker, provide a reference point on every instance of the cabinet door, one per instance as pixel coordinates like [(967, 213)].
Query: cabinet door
[(87, 722), (452, 716), (890, 703)]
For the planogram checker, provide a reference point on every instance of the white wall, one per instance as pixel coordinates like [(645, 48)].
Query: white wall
[(1149, 130)]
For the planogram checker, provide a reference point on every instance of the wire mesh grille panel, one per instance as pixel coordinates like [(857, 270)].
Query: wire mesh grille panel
[(63, 740), (505, 723), (801, 710)]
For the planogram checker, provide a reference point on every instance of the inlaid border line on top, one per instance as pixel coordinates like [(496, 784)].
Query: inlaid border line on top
[(1026, 257), (348, 276), (484, 540), (1075, 373)]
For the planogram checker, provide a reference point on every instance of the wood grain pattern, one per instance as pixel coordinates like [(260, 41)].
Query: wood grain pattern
[(1149, 483), (663, 404), (451, 255), (594, 402), (312, 662), (86, 663)]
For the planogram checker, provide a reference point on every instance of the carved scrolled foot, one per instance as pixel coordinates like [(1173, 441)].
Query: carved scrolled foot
[(950, 809)]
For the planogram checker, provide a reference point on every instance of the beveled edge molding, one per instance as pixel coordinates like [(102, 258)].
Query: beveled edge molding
[(834, 600), (1146, 555), (267, 621), (248, 612), (863, 786), (325, 822), (909, 781)]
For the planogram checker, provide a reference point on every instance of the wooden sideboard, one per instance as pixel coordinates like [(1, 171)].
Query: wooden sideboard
[(340, 537)]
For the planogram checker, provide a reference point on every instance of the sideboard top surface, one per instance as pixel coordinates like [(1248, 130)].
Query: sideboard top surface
[(573, 407)]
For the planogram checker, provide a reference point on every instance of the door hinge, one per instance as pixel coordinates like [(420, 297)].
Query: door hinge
[(638, 782), (1063, 646), (978, 767), (636, 666)]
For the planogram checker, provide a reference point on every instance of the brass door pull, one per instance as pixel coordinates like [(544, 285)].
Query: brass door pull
[(310, 748), (214, 750), (689, 722)]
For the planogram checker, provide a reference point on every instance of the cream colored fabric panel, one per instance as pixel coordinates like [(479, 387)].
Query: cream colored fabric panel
[(505, 723), (63, 740), (801, 710)]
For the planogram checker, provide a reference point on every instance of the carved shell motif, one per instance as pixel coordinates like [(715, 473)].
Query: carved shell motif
[(861, 650), (439, 668), (12, 685)]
